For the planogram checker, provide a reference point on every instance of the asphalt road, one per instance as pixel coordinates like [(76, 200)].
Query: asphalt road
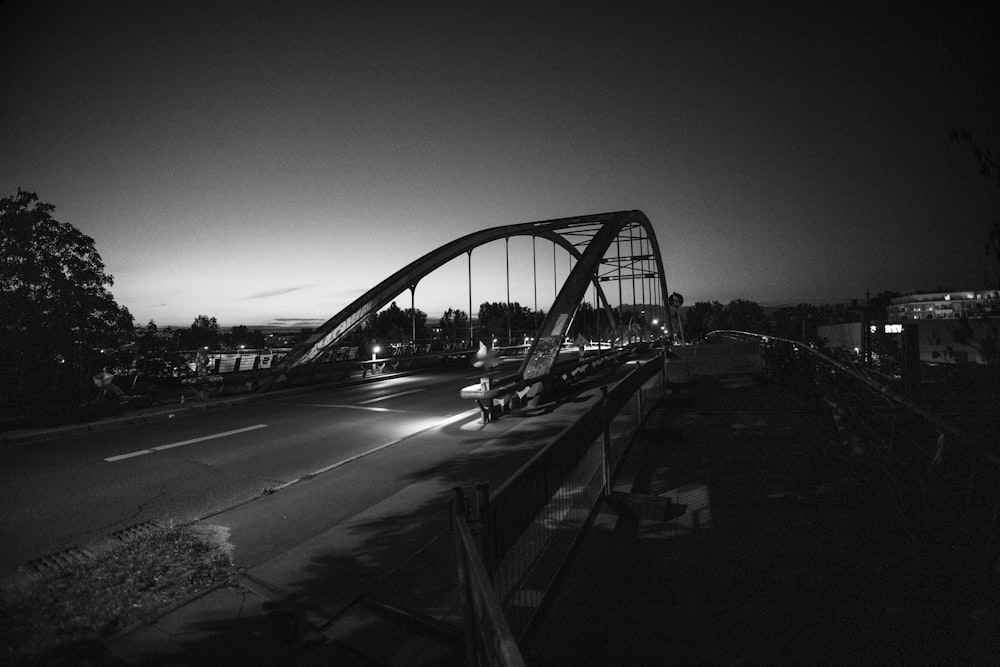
[(78, 490)]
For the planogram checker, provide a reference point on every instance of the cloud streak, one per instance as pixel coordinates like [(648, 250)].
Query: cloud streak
[(296, 322), (278, 292)]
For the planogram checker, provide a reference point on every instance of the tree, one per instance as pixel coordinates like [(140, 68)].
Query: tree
[(203, 332), (54, 296), (455, 324), (418, 324), (586, 322), (884, 298), (795, 322), (395, 324), (493, 320), (703, 317), (257, 338), (744, 315), (149, 336), (238, 335)]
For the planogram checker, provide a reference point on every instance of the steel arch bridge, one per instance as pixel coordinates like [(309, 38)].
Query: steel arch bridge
[(588, 239)]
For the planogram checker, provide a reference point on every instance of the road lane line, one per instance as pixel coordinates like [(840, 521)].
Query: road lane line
[(386, 398), (373, 450), (160, 448)]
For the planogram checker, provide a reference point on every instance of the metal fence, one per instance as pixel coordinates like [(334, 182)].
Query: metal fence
[(527, 527)]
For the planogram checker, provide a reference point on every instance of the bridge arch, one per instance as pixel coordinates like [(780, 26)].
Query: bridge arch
[(545, 347), (557, 321)]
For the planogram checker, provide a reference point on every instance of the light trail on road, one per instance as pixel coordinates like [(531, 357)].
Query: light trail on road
[(386, 398), (347, 406), (160, 448), (440, 424)]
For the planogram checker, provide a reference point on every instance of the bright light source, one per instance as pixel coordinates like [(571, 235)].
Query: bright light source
[(894, 328)]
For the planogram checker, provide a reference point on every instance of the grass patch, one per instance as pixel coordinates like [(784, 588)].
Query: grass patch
[(43, 620)]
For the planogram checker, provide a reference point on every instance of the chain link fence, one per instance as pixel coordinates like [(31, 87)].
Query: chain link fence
[(526, 529)]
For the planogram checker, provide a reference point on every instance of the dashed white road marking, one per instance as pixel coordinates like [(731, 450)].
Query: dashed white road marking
[(386, 398), (160, 448)]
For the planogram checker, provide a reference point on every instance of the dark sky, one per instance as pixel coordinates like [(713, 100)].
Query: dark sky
[(267, 162)]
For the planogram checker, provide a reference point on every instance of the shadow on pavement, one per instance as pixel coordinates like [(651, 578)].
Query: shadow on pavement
[(796, 558), (787, 552)]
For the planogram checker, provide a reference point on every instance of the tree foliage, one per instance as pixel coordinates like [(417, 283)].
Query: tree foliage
[(739, 314), (702, 317), (396, 324), (243, 336), (744, 315), (588, 322), (455, 324), (54, 295), (796, 322), (884, 298), (203, 332), (493, 320)]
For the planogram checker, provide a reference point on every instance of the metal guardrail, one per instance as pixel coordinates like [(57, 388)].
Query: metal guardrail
[(502, 393), (944, 481), (527, 528), (329, 368)]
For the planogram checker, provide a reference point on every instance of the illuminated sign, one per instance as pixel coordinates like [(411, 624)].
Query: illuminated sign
[(894, 328)]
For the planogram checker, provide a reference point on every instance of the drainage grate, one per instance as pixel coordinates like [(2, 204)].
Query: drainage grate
[(56, 563), (137, 531)]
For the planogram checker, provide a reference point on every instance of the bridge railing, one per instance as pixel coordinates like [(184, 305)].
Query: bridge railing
[(944, 480), (499, 393), (528, 526)]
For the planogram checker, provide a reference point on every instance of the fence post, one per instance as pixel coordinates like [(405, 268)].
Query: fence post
[(485, 527), (638, 395), (458, 513), (606, 438), (663, 375)]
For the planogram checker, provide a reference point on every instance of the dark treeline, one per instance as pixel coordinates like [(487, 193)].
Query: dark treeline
[(799, 322)]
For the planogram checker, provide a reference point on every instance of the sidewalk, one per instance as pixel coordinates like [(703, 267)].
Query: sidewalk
[(783, 556)]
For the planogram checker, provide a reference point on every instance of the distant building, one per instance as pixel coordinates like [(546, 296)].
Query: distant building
[(943, 305)]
